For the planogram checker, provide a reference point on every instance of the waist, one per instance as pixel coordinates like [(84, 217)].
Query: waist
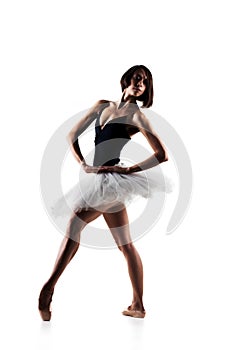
[(111, 162)]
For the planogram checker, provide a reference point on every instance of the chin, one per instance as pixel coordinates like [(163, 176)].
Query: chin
[(137, 93)]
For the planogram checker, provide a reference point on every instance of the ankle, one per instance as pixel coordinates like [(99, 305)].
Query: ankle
[(137, 305)]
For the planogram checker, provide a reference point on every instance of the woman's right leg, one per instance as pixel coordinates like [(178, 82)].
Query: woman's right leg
[(69, 247)]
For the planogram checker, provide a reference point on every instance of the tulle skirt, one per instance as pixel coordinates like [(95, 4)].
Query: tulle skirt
[(109, 192)]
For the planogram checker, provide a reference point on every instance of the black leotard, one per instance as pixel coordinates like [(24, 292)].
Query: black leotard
[(107, 153)]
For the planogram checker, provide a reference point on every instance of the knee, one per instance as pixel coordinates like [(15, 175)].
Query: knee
[(126, 248), (74, 228)]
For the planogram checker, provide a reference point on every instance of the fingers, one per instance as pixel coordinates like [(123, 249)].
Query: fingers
[(96, 169), (113, 169), (105, 169)]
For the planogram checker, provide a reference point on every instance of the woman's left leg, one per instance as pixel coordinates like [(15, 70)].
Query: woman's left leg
[(118, 224)]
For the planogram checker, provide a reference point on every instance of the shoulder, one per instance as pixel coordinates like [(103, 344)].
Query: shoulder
[(101, 102), (100, 105), (143, 123), (96, 109), (139, 118)]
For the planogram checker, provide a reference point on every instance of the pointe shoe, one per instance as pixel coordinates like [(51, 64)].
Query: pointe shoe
[(45, 300), (134, 313)]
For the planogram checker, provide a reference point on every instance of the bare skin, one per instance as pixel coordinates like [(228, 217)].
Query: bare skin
[(118, 221), (118, 224), (119, 227)]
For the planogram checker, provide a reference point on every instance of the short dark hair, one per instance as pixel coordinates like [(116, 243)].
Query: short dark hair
[(147, 96)]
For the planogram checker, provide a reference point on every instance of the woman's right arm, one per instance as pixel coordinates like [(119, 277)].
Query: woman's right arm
[(80, 127)]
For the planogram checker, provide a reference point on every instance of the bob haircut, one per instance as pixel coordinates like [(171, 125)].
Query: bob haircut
[(147, 96)]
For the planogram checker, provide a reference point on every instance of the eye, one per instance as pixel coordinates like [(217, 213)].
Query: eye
[(137, 77)]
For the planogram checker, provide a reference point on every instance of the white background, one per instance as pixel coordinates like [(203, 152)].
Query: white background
[(58, 58)]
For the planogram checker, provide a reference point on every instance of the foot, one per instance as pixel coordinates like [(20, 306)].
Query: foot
[(45, 300), (134, 312)]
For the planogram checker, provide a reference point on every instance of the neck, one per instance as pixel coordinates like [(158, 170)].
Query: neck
[(126, 99), (129, 105)]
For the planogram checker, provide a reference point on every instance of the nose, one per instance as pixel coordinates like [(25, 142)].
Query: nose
[(139, 82)]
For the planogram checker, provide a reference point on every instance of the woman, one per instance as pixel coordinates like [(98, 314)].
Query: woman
[(115, 121)]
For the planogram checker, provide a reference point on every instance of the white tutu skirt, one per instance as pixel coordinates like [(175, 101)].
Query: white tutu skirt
[(109, 192)]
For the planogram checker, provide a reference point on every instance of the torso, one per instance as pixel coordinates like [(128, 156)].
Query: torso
[(110, 111), (113, 129)]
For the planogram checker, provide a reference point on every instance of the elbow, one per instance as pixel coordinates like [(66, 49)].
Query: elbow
[(162, 156), (165, 157), (71, 138)]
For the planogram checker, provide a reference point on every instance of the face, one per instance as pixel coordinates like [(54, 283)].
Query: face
[(137, 84)]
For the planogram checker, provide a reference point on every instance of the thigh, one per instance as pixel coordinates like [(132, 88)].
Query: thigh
[(87, 216), (78, 221), (118, 224)]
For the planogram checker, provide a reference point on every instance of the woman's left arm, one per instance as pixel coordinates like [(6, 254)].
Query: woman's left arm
[(160, 153)]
